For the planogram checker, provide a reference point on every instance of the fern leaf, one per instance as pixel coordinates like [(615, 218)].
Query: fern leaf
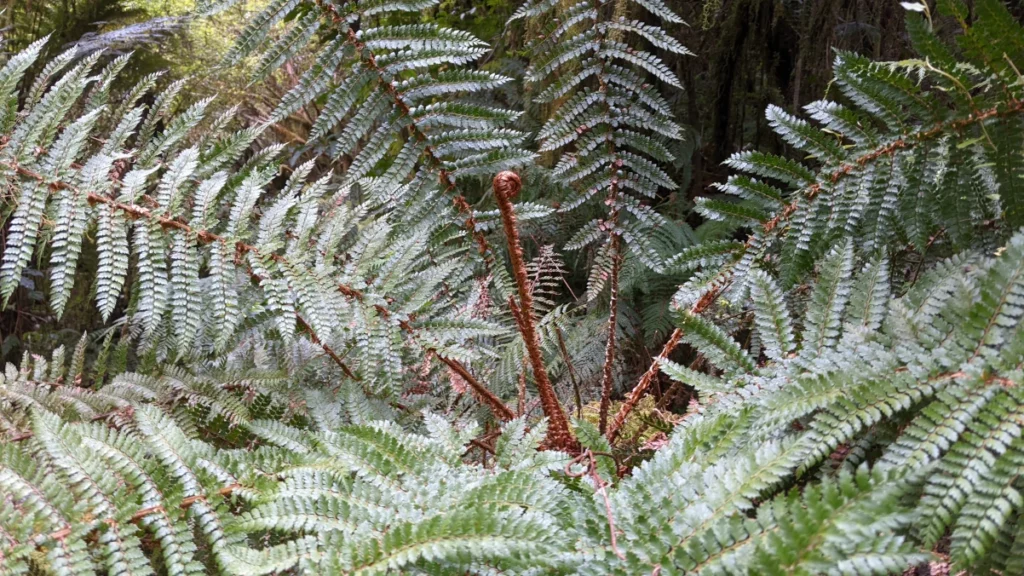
[(771, 314), (718, 346), (828, 302)]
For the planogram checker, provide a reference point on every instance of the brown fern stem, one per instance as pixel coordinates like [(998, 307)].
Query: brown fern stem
[(614, 237), (572, 372), (1012, 107), (206, 237), (641, 387), (482, 392), (589, 463), (142, 513), (560, 437), (186, 503), (613, 319), (489, 399), (327, 349), (521, 400)]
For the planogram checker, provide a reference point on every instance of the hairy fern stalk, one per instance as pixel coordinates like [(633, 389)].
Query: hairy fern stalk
[(310, 371)]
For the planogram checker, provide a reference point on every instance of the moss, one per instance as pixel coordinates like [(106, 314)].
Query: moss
[(642, 424)]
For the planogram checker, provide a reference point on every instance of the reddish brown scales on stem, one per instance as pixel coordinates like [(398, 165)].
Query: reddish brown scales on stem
[(186, 503), (641, 387), (206, 237), (1013, 107), (600, 486), (488, 398), (327, 349), (465, 208), (560, 437)]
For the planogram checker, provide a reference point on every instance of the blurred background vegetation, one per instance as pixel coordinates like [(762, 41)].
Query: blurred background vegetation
[(748, 53)]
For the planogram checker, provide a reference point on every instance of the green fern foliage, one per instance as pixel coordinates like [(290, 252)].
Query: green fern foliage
[(180, 221), (932, 393), (388, 87), (272, 496), (139, 474), (884, 290), (901, 129), (307, 371), (608, 119)]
